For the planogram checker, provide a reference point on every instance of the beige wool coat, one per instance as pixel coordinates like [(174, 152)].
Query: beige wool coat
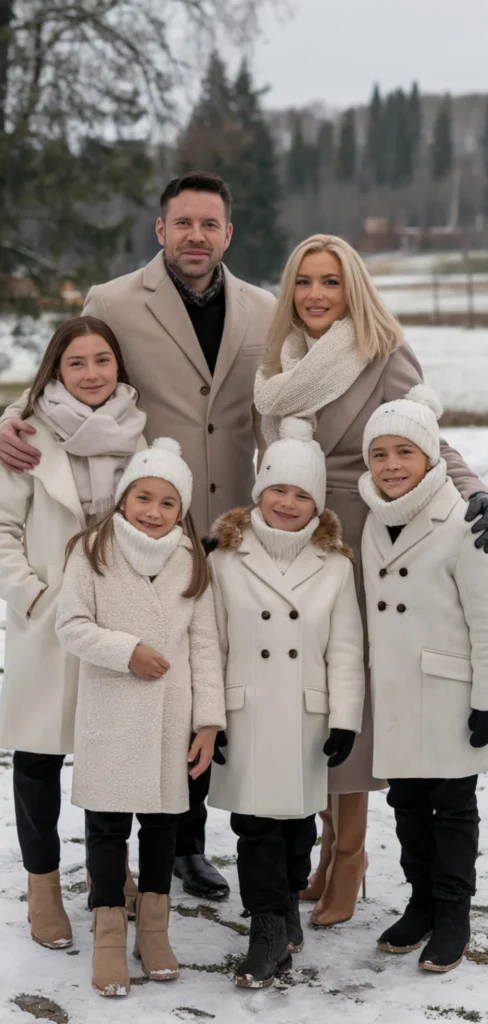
[(132, 737), (293, 653), (340, 430), (428, 633), (211, 417)]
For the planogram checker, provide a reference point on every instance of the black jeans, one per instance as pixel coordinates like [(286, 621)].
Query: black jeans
[(437, 825), (190, 836), (107, 835), (273, 859), (37, 798)]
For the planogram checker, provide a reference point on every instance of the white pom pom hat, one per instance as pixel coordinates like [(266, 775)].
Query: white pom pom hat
[(162, 460), (296, 460), (414, 417)]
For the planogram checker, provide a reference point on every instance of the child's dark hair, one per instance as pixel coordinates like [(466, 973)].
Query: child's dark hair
[(98, 539)]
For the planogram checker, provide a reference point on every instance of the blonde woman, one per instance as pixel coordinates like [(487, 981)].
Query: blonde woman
[(334, 355)]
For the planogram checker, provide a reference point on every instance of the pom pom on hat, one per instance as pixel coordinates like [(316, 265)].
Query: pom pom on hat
[(413, 417), (296, 428), (167, 444), (163, 461), (427, 396)]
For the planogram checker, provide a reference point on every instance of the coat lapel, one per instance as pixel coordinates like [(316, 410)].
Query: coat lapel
[(257, 560), (412, 534), (235, 326), (338, 417), (166, 305), (55, 474)]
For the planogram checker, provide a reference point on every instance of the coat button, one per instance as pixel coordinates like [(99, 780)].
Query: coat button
[(204, 390), (382, 573), (265, 615), (210, 428), (401, 607), (403, 572), (381, 606), (293, 653), (265, 654), (294, 614), (212, 488)]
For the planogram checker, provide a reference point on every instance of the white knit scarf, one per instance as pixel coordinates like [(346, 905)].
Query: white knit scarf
[(147, 555), (402, 510), (283, 546), (99, 442), (309, 378)]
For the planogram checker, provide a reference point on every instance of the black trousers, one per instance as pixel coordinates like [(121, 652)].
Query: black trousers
[(37, 798), (107, 835), (437, 825), (190, 836), (273, 859)]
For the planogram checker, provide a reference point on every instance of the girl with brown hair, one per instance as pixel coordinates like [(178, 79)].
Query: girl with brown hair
[(137, 610), (87, 425)]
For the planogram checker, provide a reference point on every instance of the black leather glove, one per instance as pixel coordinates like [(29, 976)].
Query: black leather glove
[(339, 746), (478, 507), (220, 741), (209, 544), (478, 724)]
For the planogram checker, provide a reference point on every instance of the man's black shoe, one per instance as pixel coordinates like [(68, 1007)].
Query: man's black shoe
[(200, 878)]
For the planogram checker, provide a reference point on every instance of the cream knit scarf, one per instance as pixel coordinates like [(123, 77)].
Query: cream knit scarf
[(309, 378), (404, 509), (146, 555), (283, 546), (99, 442)]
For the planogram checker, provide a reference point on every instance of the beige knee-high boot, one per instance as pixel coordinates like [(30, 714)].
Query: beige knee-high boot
[(318, 881), (347, 872)]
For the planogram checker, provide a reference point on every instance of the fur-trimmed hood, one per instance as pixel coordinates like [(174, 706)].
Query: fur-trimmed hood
[(229, 528)]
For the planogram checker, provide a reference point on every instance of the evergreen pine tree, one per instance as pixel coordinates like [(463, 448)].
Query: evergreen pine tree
[(300, 162), (415, 120), (442, 146), (484, 143), (400, 145), (346, 159), (209, 141), (375, 149), (324, 153)]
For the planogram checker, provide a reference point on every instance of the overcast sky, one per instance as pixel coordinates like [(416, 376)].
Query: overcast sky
[(333, 50)]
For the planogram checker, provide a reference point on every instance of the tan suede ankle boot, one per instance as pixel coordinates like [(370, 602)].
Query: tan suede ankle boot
[(48, 919), (348, 870), (110, 970), (152, 946)]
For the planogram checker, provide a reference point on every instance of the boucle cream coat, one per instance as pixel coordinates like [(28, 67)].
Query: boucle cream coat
[(293, 651), (132, 737), (428, 631)]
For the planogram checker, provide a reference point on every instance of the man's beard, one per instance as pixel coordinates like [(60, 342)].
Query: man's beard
[(194, 272)]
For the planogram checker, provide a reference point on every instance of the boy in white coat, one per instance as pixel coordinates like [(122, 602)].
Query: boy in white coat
[(291, 638), (426, 593)]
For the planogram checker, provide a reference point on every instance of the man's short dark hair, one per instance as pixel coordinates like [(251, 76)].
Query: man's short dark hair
[(197, 181)]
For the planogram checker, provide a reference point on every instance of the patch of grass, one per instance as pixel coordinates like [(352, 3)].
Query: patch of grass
[(210, 914), (41, 1008), (228, 966), (193, 1012), (224, 862), (77, 839), (76, 887), (454, 1011), (477, 956)]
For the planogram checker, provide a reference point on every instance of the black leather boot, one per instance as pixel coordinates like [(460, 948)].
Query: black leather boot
[(450, 936), (412, 928), (268, 953), (200, 878), (294, 929)]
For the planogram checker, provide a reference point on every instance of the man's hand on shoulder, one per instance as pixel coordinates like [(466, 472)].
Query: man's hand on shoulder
[(17, 455)]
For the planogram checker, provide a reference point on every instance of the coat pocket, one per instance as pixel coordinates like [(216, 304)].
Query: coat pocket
[(316, 701), (447, 666), (234, 697)]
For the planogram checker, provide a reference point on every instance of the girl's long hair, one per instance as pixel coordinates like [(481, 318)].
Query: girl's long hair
[(75, 327), (98, 540), (377, 331)]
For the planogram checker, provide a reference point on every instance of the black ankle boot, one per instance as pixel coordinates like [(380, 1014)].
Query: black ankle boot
[(412, 928), (293, 924), (268, 953), (450, 936)]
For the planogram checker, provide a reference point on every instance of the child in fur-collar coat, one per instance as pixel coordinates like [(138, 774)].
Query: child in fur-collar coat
[(292, 644)]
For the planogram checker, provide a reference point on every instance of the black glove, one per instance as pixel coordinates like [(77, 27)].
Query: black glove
[(478, 506), (220, 741), (478, 724), (209, 544), (339, 746)]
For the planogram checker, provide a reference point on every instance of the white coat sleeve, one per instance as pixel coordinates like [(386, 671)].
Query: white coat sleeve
[(19, 584), (345, 659), (205, 663), (471, 577), (76, 625), (220, 613)]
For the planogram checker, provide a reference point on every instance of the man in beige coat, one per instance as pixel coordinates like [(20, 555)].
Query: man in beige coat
[(192, 336)]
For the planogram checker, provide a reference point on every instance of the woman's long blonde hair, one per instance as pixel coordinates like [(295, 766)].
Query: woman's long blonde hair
[(377, 331)]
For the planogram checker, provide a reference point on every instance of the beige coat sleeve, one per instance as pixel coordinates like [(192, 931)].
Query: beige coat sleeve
[(76, 625), (206, 670), (345, 659), (471, 577), (95, 304), (402, 372), (19, 584)]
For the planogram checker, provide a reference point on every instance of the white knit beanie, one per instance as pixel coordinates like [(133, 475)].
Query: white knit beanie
[(414, 417), (162, 460), (296, 460)]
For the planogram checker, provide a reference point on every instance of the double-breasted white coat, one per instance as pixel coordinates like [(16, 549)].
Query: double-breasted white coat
[(427, 607), (293, 653)]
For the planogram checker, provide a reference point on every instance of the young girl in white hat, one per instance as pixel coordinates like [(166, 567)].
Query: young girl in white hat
[(137, 610), (426, 591), (291, 637)]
